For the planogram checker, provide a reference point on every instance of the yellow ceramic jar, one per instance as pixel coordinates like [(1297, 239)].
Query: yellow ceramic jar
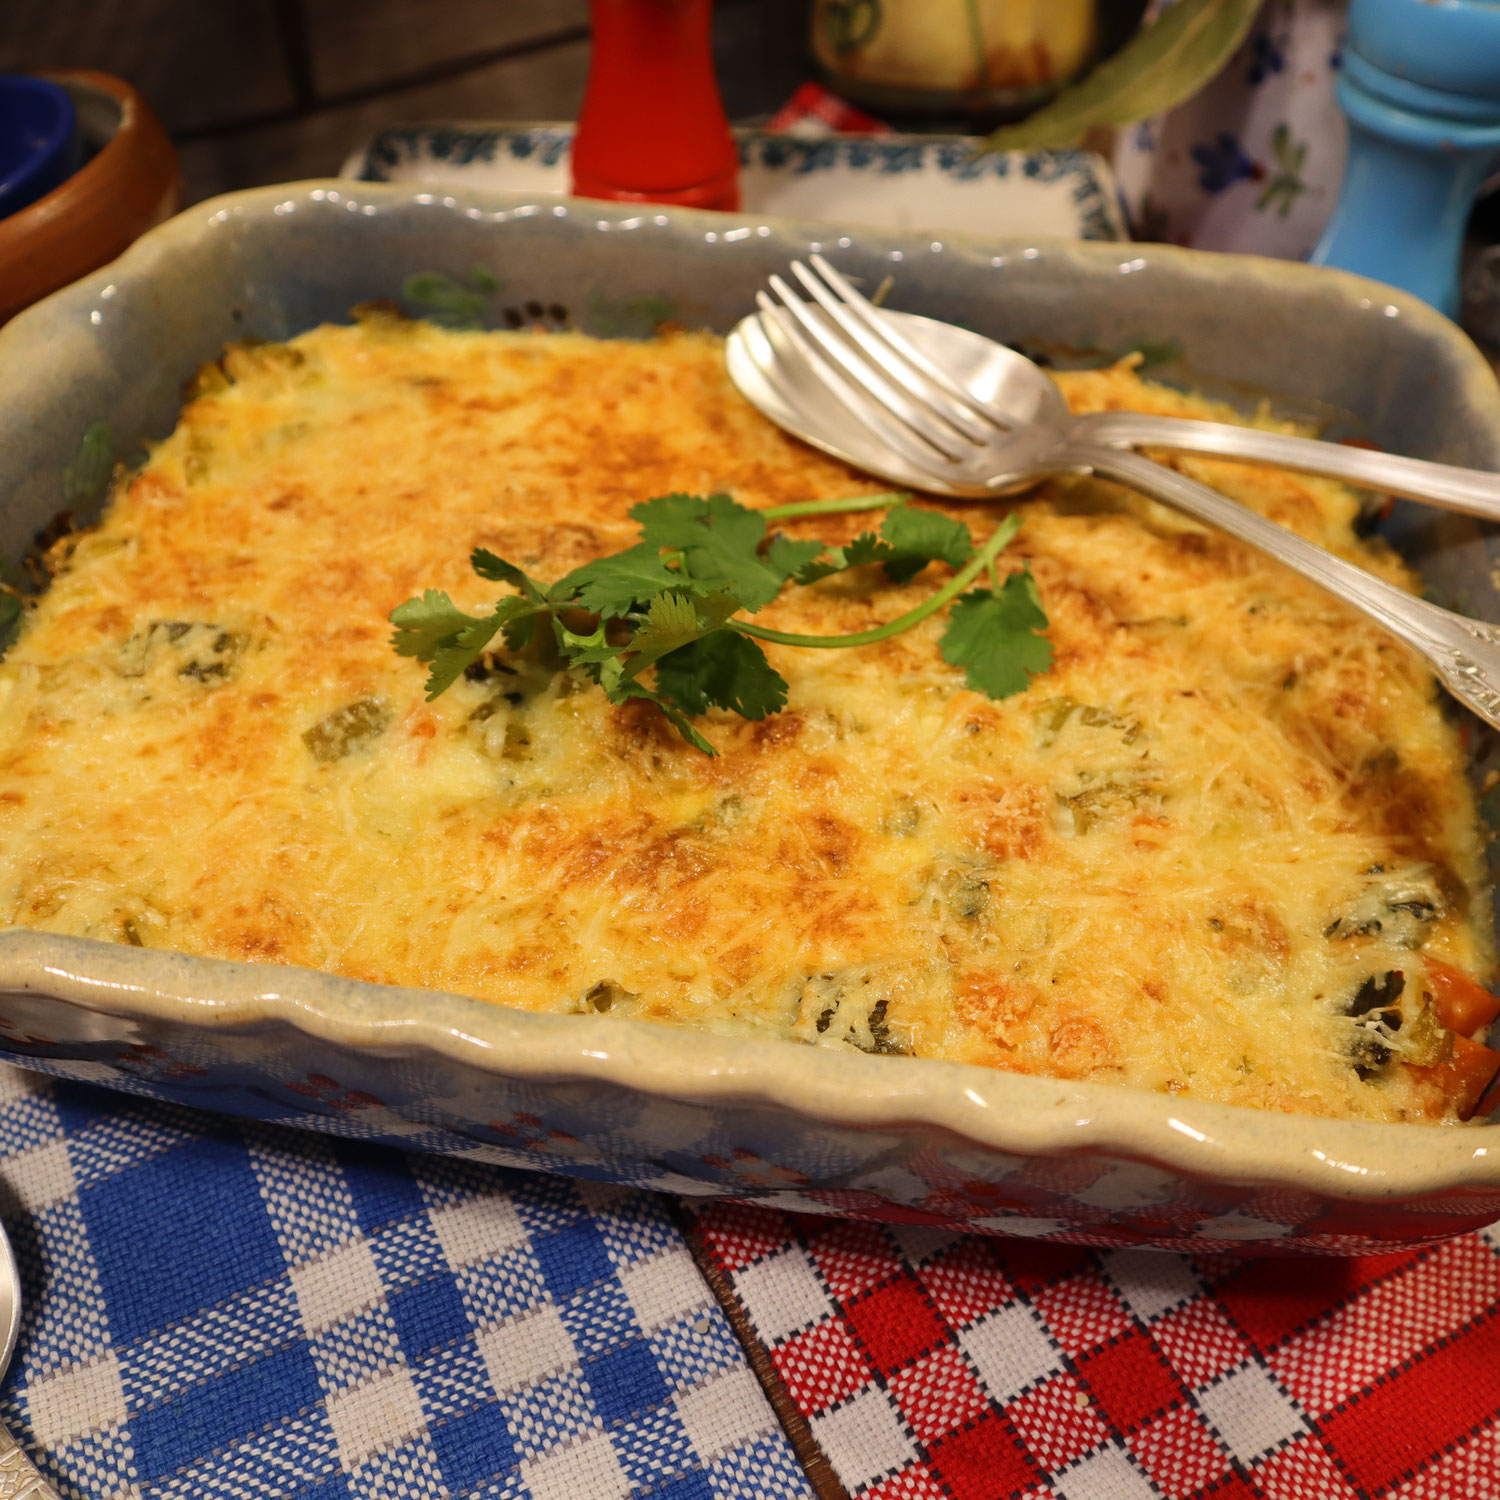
[(969, 56)]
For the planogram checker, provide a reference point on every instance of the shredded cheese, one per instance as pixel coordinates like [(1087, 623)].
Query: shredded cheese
[(1173, 863)]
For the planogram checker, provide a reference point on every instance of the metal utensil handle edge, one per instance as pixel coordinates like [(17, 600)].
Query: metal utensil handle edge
[(20, 1479), (1465, 653), (1471, 491)]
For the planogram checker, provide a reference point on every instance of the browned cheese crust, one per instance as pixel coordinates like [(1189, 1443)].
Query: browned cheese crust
[(1173, 862)]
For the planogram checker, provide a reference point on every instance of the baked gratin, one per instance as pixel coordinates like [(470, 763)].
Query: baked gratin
[(1224, 848)]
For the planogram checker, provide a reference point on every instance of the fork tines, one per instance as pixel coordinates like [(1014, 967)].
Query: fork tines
[(867, 363)]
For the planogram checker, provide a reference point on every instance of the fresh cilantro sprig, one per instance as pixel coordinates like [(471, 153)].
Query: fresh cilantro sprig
[(671, 604)]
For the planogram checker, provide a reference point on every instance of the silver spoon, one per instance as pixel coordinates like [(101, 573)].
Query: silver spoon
[(944, 410), (19, 1477), (992, 397)]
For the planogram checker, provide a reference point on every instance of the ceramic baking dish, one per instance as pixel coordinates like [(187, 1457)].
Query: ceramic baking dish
[(631, 1102)]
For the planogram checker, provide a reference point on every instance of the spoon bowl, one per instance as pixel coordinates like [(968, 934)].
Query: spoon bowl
[(1015, 389)]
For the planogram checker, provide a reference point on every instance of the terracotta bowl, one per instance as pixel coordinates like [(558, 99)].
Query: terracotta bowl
[(129, 184)]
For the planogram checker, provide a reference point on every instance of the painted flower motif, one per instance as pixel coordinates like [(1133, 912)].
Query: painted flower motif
[(753, 1170), (975, 1199), (531, 1132), (22, 1041), (1285, 185), (1266, 57), (331, 1092), (142, 1060), (1222, 163)]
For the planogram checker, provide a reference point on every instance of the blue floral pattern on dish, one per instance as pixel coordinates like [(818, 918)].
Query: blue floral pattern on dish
[(399, 152), (1266, 57), (1222, 163), (1253, 162)]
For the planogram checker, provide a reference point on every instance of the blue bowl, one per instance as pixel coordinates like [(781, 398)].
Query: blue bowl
[(37, 139)]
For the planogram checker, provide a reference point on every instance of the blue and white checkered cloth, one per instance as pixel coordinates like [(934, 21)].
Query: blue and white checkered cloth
[(229, 1308)]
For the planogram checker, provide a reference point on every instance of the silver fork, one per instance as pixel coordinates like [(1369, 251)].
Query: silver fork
[(925, 404)]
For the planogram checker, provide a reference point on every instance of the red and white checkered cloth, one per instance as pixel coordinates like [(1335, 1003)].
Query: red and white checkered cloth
[(936, 1366)]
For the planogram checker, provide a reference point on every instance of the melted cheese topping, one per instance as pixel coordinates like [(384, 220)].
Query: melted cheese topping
[(1175, 862)]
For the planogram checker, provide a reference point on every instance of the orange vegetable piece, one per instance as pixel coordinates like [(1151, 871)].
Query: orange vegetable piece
[(1466, 1076), (1459, 1003)]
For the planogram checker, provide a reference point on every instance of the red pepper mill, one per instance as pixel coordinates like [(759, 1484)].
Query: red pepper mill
[(652, 128)]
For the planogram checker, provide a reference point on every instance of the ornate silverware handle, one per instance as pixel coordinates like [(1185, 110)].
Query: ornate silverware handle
[(20, 1479), (1464, 653), (1471, 491)]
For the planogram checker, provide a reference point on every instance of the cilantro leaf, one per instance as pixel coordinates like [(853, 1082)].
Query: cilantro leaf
[(918, 537), (519, 627), (723, 669), (675, 620), (667, 604), (866, 548), (517, 624), (488, 565), (789, 558), (434, 630), (457, 653), (675, 716), (670, 622), (719, 540), (993, 637), (584, 650), (447, 667), (422, 625), (614, 585), (909, 540), (671, 520)]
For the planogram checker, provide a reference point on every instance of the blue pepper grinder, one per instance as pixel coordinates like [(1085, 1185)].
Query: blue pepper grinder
[(1421, 87)]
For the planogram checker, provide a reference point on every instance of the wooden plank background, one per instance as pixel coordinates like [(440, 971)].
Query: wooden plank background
[(258, 91)]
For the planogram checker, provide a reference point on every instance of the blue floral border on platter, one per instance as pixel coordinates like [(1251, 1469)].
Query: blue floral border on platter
[(548, 145)]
